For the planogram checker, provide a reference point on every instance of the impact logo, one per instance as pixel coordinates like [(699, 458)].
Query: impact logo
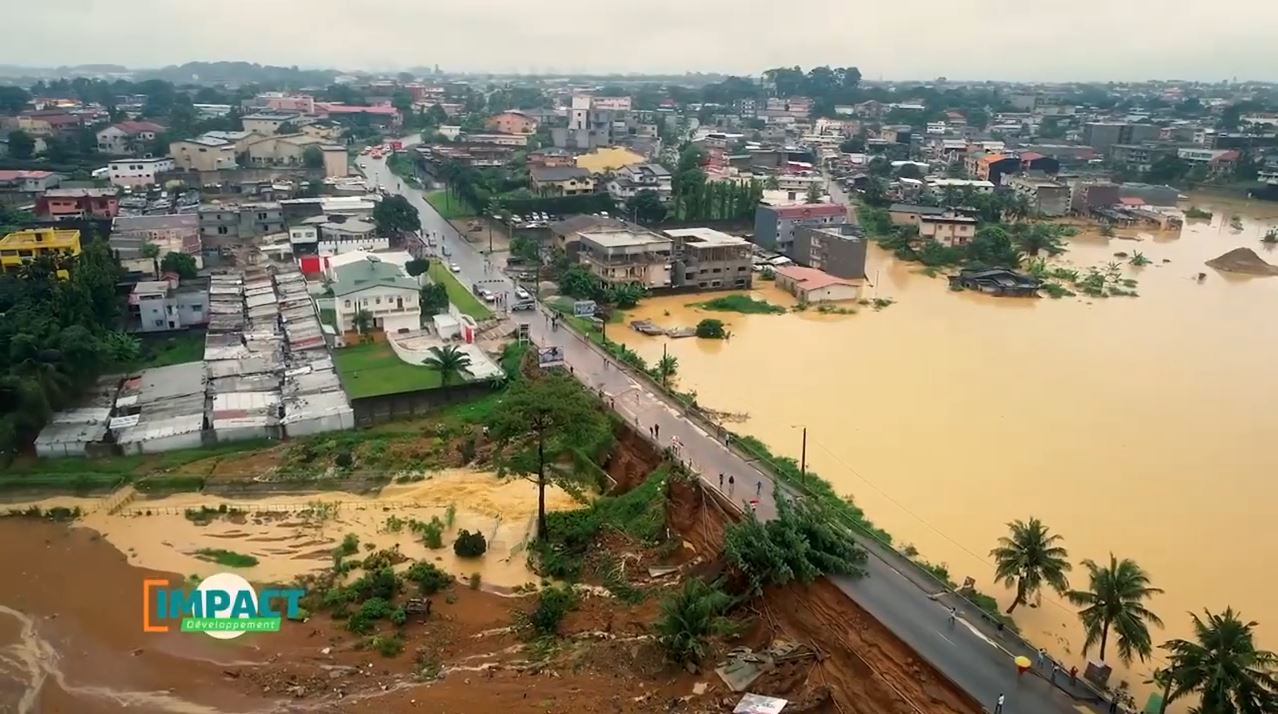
[(223, 606)]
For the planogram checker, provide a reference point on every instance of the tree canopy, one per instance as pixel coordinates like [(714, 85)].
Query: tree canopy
[(394, 215), (1030, 557), (181, 263), (550, 431), (55, 337)]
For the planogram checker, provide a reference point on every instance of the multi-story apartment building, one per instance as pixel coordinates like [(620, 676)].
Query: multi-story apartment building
[(1102, 135), (160, 305), (173, 233), (226, 224), (837, 249), (74, 203), (774, 225), (24, 246), (349, 235), (709, 260), (1046, 197), (203, 153), (138, 172), (629, 255), (630, 180), (128, 138)]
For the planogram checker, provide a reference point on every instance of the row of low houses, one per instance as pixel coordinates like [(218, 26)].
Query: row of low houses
[(266, 373)]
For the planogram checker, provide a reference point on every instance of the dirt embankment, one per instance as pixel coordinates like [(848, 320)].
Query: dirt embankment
[(865, 668)]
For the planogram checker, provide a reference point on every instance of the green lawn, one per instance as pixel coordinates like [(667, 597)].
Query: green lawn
[(373, 369), (162, 351), (449, 206), (458, 294)]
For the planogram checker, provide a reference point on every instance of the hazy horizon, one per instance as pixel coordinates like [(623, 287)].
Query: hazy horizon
[(1090, 40)]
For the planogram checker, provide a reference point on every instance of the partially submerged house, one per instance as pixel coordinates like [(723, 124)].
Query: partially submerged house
[(998, 281)]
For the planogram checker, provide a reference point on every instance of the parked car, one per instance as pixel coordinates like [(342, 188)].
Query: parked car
[(487, 295), (454, 267), (523, 305), (522, 294)]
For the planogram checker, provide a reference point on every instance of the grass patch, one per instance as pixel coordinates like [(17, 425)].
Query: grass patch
[(229, 558), (458, 294), (449, 206), (373, 369), (173, 349), (740, 303)]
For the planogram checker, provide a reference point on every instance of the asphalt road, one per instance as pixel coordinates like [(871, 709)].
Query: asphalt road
[(968, 651)]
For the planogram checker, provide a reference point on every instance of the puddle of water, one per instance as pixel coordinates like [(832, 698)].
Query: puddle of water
[(289, 544)]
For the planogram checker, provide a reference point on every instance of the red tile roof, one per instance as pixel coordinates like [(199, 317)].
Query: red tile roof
[(991, 158), (1031, 156), (811, 278), (16, 175)]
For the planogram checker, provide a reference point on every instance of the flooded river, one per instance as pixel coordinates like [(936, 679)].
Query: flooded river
[(1140, 426)]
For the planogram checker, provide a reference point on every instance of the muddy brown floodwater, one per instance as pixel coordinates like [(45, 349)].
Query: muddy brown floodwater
[(1141, 426)]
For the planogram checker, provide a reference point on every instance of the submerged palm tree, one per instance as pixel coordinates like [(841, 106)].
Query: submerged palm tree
[(1223, 665), (449, 361), (1029, 559), (1115, 599)]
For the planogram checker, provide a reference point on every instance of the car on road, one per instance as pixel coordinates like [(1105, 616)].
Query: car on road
[(454, 267), (487, 295), (522, 294), (523, 305)]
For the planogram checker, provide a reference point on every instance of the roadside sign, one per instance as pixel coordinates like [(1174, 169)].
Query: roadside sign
[(584, 308), (550, 356)]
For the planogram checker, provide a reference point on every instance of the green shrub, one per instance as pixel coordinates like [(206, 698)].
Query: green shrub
[(398, 617), (382, 583), (429, 578), (348, 546), (690, 616), (553, 604), (387, 646), (372, 610), (470, 545), (432, 533), (711, 329)]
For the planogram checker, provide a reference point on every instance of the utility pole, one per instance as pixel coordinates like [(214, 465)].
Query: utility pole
[(663, 370), (803, 456)]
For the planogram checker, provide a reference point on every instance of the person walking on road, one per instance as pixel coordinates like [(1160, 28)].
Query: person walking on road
[(1041, 658), (953, 615), (720, 480), (998, 703), (732, 482), (656, 431), (758, 488)]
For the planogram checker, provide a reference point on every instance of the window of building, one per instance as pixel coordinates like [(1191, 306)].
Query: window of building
[(221, 230), (347, 303), (159, 323)]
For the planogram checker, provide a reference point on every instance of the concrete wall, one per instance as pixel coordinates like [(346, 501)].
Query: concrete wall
[(378, 410)]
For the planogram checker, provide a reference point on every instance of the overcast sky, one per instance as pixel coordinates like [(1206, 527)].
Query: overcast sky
[(959, 39)]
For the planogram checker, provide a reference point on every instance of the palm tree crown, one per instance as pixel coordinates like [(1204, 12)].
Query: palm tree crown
[(1030, 558), (449, 361), (1224, 666), (1115, 599)]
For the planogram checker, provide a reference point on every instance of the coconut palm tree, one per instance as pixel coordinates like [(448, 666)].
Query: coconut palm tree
[(1162, 677), (1030, 558), (1033, 239), (1223, 665), (667, 366), (449, 361), (1115, 598)]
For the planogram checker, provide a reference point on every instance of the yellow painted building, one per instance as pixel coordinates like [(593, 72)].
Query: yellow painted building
[(22, 246)]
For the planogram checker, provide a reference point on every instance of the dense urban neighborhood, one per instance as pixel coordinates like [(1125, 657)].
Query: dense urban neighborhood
[(513, 376)]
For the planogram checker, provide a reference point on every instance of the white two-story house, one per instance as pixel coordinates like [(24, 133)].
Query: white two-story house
[(382, 289)]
